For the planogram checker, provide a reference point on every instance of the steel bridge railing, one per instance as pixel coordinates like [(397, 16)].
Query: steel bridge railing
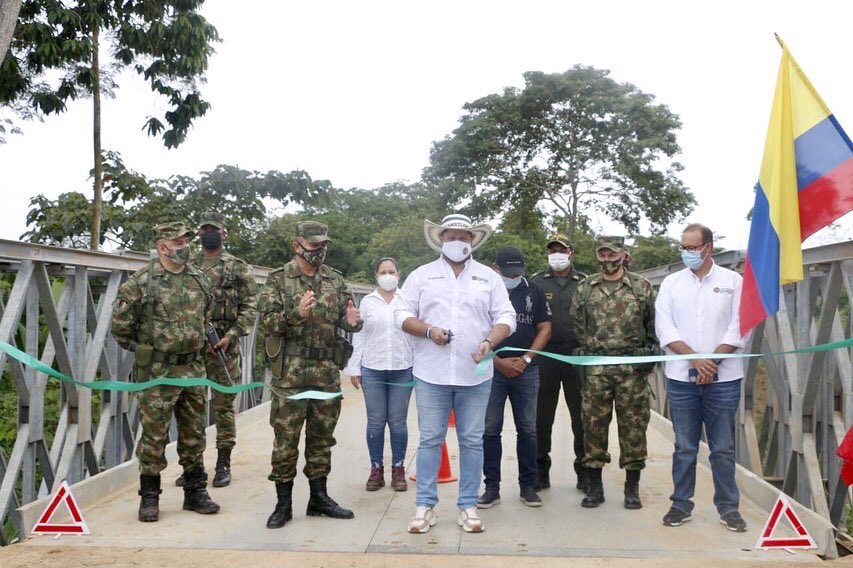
[(59, 311)]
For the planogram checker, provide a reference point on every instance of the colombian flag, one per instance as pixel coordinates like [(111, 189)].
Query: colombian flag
[(806, 183)]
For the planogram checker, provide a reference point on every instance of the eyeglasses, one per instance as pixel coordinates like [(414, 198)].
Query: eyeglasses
[(692, 248)]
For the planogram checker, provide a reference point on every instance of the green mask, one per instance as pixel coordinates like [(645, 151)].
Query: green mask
[(181, 256), (314, 257), (610, 267)]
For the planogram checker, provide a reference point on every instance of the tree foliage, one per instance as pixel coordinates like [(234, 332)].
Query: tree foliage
[(578, 142)]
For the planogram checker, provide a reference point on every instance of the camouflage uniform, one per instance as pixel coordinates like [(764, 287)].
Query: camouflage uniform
[(304, 361), (158, 308), (615, 321), (232, 313)]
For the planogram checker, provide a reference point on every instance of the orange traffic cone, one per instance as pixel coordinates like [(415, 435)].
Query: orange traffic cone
[(452, 420), (445, 474)]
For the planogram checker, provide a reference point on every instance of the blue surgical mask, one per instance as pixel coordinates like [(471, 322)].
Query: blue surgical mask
[(511, 283), (692, 259)]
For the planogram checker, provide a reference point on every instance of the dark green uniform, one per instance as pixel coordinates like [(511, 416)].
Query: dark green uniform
[(232, 313), (303, 361), (615, 318), (552, 374), (163, 315)]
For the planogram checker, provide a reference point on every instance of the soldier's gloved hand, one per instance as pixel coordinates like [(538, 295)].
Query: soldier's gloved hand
[(306, 304), (356, 381), (353, 314)]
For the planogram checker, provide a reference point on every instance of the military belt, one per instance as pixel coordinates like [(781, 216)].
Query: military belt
[(319, 353), (174, 358)]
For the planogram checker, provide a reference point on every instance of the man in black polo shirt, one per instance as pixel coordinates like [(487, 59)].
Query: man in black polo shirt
[(517, 378)]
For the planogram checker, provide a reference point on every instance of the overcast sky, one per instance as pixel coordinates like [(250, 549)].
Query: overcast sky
[(355, 92)]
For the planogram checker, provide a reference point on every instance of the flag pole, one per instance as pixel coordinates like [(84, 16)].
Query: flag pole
[(779, 39)]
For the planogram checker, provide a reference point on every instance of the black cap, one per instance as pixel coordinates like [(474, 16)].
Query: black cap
[(510, 262)]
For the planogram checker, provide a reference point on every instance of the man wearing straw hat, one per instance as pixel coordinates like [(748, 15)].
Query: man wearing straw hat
[(458, 310)]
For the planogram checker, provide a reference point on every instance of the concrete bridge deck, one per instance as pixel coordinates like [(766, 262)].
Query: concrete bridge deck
[(609, 535)]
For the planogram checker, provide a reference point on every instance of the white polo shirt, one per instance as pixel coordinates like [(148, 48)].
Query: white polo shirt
[(703, 314), (380, 345), (469, 305)]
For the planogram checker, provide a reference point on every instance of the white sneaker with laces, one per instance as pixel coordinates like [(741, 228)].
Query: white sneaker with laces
[(469, 520), (422, 521)]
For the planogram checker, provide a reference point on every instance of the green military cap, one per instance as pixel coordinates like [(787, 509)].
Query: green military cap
[(616, 244), (173, 230), (212, 218), (313, 232), (560, 238)]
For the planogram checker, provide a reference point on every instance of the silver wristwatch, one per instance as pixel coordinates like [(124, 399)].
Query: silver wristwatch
[(526, 359)]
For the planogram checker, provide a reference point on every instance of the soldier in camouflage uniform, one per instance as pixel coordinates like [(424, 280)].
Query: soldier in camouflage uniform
[(232, 314), (160, 314), (613, 314), (302, 305)]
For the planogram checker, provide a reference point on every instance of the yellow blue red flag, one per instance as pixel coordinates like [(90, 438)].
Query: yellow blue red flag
[(805, 183)]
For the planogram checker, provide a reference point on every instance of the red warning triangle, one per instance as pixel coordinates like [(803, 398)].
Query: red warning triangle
[(782, 509), (77, 526)]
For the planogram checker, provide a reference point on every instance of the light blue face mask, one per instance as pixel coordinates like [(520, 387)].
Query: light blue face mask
[(511, 283), (692, 259)]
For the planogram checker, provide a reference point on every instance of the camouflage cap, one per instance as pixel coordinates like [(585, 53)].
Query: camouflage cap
[(616, 244), (212, 218), (173, 230), (560, 238), (313, 232)]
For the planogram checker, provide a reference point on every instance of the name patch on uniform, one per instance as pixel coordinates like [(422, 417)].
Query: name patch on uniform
[(718, 290), (435, 278), (480, 278)]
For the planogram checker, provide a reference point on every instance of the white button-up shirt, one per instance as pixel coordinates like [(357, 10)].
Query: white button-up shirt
[(380, 345), (469, 305), (703, 314)]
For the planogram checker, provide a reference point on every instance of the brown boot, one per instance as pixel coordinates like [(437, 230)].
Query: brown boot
[(376, 479), (398, 478)]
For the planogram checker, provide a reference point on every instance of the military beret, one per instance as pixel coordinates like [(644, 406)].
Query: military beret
[(313, 232), (173, 230), (616, 244), (212, 218)]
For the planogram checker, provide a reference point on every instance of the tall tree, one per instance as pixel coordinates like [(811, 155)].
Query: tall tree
[(9, 10), (578, 141), (55, 57)]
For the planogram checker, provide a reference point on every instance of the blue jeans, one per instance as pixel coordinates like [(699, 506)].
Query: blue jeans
[(434, 405), (715, 405), (523, 394), (386, 404)]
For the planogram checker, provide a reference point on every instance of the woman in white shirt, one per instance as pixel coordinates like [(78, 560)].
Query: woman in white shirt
[(381, 364)]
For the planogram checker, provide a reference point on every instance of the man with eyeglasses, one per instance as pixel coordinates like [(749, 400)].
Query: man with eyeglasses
[(697, 312)]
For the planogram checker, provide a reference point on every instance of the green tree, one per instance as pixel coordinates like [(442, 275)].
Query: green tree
[(577, 141), (649, 252), (55, 57)]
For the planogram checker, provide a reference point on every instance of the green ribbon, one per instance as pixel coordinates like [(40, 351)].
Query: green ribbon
[(589, 360)]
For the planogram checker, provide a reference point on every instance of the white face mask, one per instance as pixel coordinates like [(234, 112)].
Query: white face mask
[(559, 261), (387, 282), (457, 251)]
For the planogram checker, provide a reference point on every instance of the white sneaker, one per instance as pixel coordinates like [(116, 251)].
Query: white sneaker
[(422, 521), (469, 520)]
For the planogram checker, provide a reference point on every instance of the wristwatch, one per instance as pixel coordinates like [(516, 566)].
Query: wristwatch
[(526, 359)]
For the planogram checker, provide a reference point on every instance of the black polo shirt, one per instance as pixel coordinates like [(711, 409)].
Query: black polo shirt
[(531, 308)]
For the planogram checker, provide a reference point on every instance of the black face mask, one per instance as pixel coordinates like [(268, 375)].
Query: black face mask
[(211, 240)]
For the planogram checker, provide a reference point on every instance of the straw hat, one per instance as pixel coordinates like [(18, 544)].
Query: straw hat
[(433, 231)]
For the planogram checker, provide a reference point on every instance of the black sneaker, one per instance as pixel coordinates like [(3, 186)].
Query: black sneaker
[(676, 517), (529, 497), (733, 521), (489, 499)]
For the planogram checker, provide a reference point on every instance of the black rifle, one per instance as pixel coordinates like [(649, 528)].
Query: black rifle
[(213, 339)]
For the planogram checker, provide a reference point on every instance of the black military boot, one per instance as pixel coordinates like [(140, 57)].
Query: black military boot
[(543, 480), (284, 506), (583, 479), (321, 504), (149, 505), (595, 491), (632, 489), (180, 481), (196, 497), (223, 467)]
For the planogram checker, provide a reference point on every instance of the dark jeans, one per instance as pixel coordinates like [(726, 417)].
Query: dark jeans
[(521, 392), (714, 405), (386, 404), (552, 375)]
